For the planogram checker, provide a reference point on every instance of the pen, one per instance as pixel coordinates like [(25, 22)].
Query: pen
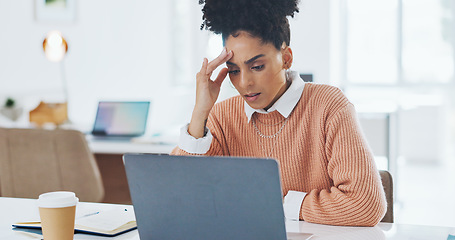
[(90, 214)]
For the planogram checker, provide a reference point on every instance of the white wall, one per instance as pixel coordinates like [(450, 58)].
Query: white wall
[(123, 50), (117, 50)]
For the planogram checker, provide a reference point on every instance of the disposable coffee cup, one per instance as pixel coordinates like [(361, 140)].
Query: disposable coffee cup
[(57, 212)]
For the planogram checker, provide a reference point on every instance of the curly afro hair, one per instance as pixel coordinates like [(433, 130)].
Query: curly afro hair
[(266, 19)]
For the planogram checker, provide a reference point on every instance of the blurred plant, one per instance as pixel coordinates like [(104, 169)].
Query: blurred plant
[(10, 103), (11, 110)]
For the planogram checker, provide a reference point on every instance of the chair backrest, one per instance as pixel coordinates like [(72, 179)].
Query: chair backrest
[(34, 161), (387, 183)]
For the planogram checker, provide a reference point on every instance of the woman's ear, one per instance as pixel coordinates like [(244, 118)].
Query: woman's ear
[(286, 53)]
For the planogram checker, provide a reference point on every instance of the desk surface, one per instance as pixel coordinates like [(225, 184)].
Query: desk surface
[(121, 147), (16, 210), (151, 145)]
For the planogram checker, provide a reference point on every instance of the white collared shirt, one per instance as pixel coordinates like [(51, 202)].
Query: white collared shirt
[(284, 105)]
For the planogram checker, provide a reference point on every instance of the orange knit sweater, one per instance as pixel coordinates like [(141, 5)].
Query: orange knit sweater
[(321, 151)]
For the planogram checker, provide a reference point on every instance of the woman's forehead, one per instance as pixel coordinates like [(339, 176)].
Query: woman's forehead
[(245, 47)]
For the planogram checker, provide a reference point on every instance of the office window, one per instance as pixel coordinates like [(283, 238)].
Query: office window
[(428, 41), (371, 34), (392, 42)]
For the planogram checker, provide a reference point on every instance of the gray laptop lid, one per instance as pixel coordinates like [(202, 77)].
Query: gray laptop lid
[(188, 197)]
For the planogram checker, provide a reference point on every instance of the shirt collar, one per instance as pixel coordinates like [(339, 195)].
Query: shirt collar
[(286, 103)]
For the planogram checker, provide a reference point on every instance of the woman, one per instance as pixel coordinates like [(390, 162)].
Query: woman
[(327, 170)]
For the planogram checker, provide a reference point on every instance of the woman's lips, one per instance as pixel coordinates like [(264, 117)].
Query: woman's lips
[(252, 96)]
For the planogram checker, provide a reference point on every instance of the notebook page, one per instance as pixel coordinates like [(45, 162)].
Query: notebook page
[(107, 220)]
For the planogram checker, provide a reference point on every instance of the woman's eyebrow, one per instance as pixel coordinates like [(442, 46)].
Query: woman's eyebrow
[(253, 58), (231, 63), (247, 61)]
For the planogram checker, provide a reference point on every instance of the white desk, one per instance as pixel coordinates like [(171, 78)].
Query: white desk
[(16, 210), (121, 147), (156, 145)]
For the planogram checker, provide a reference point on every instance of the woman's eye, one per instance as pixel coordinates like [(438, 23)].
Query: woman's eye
[(258, 67), (233, 71)]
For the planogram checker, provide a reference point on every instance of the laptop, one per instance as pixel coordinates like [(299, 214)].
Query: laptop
[(120, 119), (197, 197)]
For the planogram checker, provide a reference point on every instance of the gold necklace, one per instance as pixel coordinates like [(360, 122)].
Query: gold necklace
[(268, 136), (264, 137)]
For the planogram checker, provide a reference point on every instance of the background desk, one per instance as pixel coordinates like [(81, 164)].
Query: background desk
[(121, 147), (109, 154), (15, 210)]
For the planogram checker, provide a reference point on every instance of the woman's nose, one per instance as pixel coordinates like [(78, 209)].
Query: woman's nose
[(245, 80)]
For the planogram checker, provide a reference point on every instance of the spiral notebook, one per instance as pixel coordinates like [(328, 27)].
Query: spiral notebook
[(103, 223)]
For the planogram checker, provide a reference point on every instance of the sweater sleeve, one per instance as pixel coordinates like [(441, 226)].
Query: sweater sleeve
[(356, 197), (217, 146)]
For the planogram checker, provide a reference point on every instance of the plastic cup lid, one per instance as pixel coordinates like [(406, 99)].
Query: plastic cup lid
[(57, 199)]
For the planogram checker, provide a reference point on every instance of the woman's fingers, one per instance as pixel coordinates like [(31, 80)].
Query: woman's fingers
[(222, 58), (207, 68), (221, 76), (202, 73), (207, 91), (204, 66)]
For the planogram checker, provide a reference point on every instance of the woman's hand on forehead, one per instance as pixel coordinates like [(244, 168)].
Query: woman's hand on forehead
[(222, 58), (207, 91)]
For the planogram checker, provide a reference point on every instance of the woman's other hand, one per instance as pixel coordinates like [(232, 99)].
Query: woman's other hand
[(207, 91)]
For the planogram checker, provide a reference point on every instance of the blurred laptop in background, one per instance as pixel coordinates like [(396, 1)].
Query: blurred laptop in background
[(120, 120)]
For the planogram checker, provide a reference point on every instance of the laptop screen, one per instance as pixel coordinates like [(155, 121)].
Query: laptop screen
[(121, 118), (198, 197)]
